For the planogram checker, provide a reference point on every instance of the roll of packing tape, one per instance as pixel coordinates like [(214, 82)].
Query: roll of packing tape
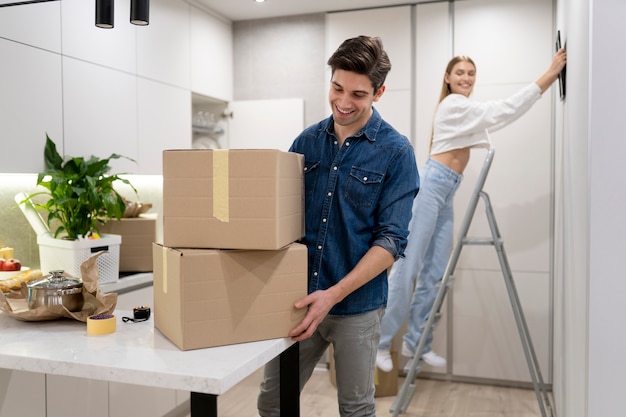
[(101, 324)]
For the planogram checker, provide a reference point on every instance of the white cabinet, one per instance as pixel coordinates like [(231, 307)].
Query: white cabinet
[(163, 122), (211, 56), (163, 47), (68, 396), (42, 30), (112, 48), (31, 98), (22, 394), (125, 90), (100, 113)]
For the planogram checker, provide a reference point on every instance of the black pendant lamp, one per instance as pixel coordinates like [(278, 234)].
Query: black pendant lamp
[(140, 12), (104, 14)]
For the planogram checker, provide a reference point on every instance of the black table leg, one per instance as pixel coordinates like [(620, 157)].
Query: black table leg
[(290, 381), (203, 405)]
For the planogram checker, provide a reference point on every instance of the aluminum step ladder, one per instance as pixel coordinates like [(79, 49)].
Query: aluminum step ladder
[(414, 366)]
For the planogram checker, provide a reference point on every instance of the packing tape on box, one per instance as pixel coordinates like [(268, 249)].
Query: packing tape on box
[(101, 324), (220, 185), (164, 269)]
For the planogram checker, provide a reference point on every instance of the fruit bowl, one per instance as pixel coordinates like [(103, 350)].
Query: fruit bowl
[(9, 274)]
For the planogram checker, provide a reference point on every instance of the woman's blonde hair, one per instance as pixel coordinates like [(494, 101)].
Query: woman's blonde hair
[(445, 87)]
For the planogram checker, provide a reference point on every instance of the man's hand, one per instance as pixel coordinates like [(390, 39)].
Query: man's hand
[(319, 304)]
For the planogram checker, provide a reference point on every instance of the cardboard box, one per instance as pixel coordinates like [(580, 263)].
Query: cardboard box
[(232, 199), (138, 235), (385, 383), (208, 297)]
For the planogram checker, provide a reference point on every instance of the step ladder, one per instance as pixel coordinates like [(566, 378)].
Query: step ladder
[(407, 390)]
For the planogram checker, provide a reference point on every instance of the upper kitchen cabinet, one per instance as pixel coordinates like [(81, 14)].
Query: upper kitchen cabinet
[(211, 56), (100, 113), (163, 122), (43, 27), (113, 48), (163, 47), (30, 81)]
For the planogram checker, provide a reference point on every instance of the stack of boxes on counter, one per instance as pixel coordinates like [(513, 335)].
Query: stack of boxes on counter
[(229, 269)]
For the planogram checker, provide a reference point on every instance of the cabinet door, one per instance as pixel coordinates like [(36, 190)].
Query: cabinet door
[(140, 401), (163, 49), (30, 81), (100, 113), (164, 122), (69, 396), (211, 56), (22, 394), (37, 25), (113, 48)]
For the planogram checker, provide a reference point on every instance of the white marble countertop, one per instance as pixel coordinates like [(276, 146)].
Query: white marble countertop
[(136, 353)]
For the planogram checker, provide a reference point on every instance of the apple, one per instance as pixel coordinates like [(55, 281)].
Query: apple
[(2, 260), (11, 265)]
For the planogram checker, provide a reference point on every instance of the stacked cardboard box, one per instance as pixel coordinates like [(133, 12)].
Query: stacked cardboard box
[(138, 234), (229, 270)]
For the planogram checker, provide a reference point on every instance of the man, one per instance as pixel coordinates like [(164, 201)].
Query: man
[(360, 181)]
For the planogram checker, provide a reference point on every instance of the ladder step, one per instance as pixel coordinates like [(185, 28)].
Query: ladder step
[(479, 241)]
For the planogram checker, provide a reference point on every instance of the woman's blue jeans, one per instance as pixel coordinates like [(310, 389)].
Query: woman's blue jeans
[(413, 279)]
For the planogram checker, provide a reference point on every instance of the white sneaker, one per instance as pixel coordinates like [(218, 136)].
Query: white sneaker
[(383, 360), (405, 351), (433, 359)]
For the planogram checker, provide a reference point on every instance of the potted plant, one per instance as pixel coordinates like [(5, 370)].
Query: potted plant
[(79, 197), (80, 193)]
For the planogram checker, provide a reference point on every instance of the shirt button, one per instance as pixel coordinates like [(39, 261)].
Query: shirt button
[(305, 168), (319, 247), (347, 143), (323, 220), (329, 194), (315, 273), (364, 178), (335, 168)]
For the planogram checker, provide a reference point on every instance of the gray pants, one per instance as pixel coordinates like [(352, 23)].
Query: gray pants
[(355, 341)]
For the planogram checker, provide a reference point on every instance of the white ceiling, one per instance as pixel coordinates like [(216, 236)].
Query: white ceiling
[(235, 10)]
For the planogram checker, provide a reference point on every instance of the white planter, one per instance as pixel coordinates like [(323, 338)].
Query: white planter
[(68, 255)]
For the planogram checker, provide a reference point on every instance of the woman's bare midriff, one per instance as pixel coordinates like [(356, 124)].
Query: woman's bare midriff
[(455, 159)]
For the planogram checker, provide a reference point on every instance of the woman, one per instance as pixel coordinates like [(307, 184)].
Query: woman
[(459, 125)]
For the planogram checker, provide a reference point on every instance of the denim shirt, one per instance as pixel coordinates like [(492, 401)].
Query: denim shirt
[(356, 197)]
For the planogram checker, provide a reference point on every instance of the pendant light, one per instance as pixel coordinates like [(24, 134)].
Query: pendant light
[(104, 14), (139, 12)]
